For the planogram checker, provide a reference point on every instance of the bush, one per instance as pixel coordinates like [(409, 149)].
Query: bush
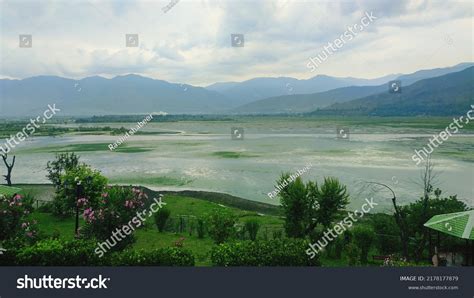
[(170, 256), (281, 252), (252, 226), (352, 253), (363, 238), (53, 252), (90, 181), (161, 217), (115, 209), (221, 226), (201, 227), (13, 219), (388, 233)]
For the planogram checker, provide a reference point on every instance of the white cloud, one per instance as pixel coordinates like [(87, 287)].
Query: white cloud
[(191, 42)]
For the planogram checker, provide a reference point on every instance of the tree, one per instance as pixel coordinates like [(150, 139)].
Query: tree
[(62, 163), (297, 201), (331, 197), (306, 206), (252, 226), (8, 176), (81, 181)]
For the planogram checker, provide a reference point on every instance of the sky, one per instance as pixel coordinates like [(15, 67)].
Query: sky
[(190, 41)]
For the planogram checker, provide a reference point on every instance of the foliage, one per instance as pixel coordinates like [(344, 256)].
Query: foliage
[(251, 227), (298, 201), (331, 197), (13, 219), (161, 218), (221, 226), (115, 209), (58, 167), (363, 238), (170, 256), (387, 231), (79, 181), (397, 261), (53, 252), (280, 252), (201, 227), (352, 253), (307, 205)]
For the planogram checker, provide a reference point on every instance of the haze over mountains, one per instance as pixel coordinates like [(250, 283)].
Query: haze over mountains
[(133, 94)]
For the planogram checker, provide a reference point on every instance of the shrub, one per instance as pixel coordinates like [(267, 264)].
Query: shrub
[(352, 253), (170, 256), (161, 217), (84, 177), (277, 234), (388, 233), (252, 226), (53, 252), (115, 209), (13, 219), (201, 227), (281, 252), (221, 226), (363, 238)]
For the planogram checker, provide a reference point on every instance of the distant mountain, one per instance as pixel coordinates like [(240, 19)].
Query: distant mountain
[(261, 88), (128, 94), (134, 94), (450, 94), (301, 103)]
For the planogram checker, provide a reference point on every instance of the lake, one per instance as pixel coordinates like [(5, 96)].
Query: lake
[(201, 155)]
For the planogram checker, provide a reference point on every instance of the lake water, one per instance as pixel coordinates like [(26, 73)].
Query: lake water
[(202, 156)]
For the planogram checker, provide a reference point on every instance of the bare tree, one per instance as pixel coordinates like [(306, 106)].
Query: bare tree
[(427, 179), (8, 176)]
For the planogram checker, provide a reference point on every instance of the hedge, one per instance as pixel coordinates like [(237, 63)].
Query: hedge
[(171, 256), (277, 252), (53, 252)]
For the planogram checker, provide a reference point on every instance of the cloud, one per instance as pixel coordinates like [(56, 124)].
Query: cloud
[(191, 42)]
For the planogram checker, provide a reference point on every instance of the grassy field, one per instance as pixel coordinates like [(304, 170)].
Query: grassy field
[(187, 204), (148, 237)]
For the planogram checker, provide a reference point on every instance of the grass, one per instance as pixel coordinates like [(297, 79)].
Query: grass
[(232, 154), (151, 180), (89, 147), (148, 237)]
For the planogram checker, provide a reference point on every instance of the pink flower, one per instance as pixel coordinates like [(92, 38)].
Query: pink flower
[(24, 225)]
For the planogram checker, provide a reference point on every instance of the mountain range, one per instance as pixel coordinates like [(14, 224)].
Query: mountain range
[(134, 94)]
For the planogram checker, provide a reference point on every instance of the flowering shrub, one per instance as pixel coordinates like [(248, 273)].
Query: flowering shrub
[(396, 261), (82, 177), (115, 208), (13, 224)]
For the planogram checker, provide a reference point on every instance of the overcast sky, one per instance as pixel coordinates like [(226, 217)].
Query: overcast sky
[(191, 42)]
